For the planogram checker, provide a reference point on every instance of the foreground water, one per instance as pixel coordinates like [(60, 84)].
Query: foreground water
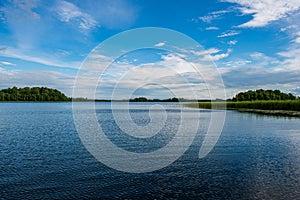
[(42, 156)]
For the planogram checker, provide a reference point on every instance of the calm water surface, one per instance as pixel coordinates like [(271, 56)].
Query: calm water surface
[(41, 156)]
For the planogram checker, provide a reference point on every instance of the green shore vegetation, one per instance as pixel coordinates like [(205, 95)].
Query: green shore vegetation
[(291, 105), (255, 100), (33, 94), (263, 95)]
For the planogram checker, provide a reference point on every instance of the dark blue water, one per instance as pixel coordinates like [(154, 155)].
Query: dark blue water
[(42, 156)]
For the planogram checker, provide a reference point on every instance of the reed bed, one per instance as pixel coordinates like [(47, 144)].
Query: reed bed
[(291, 105)]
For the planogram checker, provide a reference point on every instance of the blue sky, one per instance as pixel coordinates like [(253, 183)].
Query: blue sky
[(254, 44)]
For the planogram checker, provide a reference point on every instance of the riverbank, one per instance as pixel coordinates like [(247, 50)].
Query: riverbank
[(289, 108)]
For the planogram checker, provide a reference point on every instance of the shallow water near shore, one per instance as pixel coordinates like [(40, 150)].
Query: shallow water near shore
[(42, 156)]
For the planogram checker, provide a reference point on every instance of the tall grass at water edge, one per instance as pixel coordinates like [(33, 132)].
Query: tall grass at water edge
[(292, 105)]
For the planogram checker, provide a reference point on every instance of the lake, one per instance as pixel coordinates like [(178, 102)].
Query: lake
[(42, 155)]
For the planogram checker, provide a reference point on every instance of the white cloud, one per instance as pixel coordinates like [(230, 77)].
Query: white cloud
[(219, 56), (216, 57), (229, 34), (116, 14), (256, 71), (212, 54), (297, 40), (264, 60), (178, 64), (172, 73), (22, 21), (89, 14), (266, 11), (45, 59), (253, 76), (232, 42), (51, 79), (206, 52), (22, 9), (207, 19), (289, 27), (69, 12), (219, 12), (160, 44), (211, 28), (212, 16), (262, 71), (234, 63), (236, 78), (291, 59), (7, 63)]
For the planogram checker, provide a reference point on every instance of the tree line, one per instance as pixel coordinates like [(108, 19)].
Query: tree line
[(48, 94), (263, 95), (32, 94), (144, 99)]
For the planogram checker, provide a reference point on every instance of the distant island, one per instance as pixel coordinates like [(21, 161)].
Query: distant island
[(144, 99), (34, 94), (137, 99)]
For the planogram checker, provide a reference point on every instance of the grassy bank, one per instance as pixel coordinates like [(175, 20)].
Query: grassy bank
[(292, 105), (287, 108)]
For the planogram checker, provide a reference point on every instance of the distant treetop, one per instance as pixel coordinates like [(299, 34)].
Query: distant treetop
[(263, 95), (32, 94), (144, 99)]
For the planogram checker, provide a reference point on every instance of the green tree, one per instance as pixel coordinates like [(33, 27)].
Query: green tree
[(263, 95), (32, 94)]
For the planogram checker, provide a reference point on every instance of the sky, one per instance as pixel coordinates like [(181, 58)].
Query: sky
[(252, 44)]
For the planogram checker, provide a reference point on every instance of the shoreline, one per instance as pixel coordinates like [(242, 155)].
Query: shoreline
[(242, 107), (288, 113)]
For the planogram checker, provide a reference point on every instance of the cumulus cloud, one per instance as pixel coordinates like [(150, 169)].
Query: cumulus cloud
[(253, 76), (154, 80), (264, 12), (262, 71)]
